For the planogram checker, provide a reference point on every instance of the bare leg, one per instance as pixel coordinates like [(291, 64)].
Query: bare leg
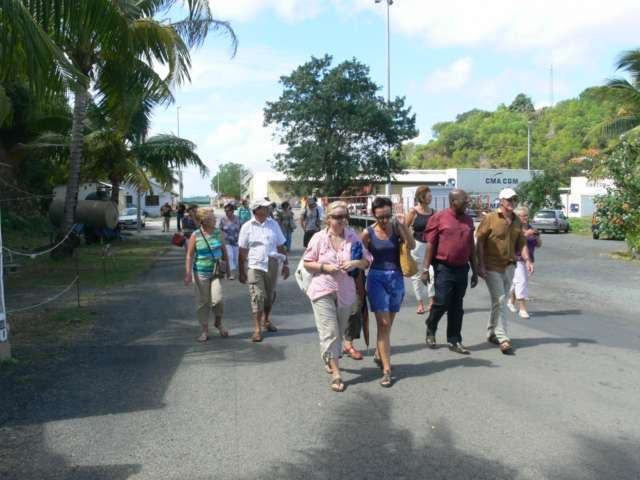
[(383, 342)]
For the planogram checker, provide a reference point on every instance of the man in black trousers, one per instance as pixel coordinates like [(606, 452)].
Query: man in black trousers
[(451, 251)]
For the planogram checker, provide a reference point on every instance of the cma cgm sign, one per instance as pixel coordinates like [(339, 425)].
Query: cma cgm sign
[(500, 179)]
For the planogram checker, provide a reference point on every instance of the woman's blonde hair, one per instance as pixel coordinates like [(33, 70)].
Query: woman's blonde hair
[(522, 209), (205, 217), (335, 206)]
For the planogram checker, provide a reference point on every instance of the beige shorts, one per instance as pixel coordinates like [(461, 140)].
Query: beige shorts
[(262, 286)]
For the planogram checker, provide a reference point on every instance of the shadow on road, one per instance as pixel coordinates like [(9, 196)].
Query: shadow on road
[(520, 343), (555, 313), (363, 442), (409, 370)]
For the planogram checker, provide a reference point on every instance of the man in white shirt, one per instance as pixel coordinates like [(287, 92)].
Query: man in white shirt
[(261, 243)]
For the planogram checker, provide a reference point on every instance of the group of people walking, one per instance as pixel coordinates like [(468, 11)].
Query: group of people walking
[(347, 269)]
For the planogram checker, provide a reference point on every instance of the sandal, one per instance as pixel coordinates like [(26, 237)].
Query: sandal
[(203, 337), (420, 310), (270, 327), (377, 360), (506, 347), (223, 331), (353, 353), (337, 385), (386, 381), (256, 337)]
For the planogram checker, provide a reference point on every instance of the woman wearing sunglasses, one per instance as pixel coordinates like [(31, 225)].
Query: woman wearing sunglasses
[(385, 283), (332, 290)]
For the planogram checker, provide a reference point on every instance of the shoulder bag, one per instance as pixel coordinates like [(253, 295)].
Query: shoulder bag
[(408, 265), (219, 268)]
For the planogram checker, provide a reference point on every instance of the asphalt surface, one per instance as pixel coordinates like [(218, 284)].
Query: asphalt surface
[(140, 399)]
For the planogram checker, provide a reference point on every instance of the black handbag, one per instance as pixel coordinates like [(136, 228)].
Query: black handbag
[(219, 267)]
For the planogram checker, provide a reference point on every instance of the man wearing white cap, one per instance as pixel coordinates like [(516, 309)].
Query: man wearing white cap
[(498, 237), (261, 242)]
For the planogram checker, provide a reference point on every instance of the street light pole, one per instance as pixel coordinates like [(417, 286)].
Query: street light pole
[(389, 3), (180, 186), (529, 145)]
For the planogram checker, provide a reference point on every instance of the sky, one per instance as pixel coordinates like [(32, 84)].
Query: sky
[(447, 57)]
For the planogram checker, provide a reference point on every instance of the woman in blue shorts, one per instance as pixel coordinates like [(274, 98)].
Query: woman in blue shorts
[(385, 283)]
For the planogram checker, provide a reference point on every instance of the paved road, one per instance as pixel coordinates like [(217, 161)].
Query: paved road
[(141, 400)]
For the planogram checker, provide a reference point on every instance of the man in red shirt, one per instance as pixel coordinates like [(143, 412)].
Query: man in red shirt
[(451, 250)]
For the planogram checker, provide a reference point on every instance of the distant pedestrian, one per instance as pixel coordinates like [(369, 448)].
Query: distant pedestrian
[(310, 220), (418, 218), (450, 249), (499, 236), (287, 223), (520, 288), (180, 212), (332, 290), (206, 264), (244, 214), (230, 225), (165, 211), (385, 283), (261, 242), (189, 222)]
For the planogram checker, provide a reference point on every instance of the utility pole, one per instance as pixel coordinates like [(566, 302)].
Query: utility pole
[(389, 3), (529, 145), (180, 186), (551, 99)]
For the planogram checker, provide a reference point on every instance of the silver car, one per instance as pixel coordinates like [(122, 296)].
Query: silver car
[(550, 220)]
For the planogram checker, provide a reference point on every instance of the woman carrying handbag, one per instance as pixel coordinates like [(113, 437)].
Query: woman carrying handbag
[(206, 264)]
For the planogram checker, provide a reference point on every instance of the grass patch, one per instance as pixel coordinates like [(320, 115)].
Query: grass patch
[(580, 225), (624, 256)]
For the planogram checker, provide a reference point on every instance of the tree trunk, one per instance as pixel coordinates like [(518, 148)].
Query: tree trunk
[(77, 139), (115, 190)]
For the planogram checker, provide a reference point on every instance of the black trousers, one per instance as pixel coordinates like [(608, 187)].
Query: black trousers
[(450, 286), (307, 236)]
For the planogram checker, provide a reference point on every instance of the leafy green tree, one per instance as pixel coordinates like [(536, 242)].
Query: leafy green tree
[(97, 35), (229, 179), (336, 128), (626, 93), (542, 191), (620, 212), (522, 104)]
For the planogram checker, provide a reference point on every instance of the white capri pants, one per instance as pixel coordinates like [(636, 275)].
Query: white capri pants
[(232, 253), (331, 322), (421, 291), (520, 284)]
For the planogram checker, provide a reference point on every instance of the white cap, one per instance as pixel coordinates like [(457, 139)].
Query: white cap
[(507, 193), (260, 203)]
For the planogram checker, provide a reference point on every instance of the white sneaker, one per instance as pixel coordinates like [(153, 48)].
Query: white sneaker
[(524, 314), (511, 307)]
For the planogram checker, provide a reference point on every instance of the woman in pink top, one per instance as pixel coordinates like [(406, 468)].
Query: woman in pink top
[(332, 290)]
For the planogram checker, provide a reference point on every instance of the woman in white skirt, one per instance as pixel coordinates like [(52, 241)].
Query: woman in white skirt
[(520, 286), (230, 225), (332, 290), (417, 219)]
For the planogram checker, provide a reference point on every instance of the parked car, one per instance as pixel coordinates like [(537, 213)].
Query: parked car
[(129, 218), (550, 220)]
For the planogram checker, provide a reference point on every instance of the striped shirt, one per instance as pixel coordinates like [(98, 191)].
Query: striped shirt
[(205, 258)]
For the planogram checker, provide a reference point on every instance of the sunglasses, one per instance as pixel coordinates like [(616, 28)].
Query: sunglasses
[(339, 217), (386, 216), (512, 199)]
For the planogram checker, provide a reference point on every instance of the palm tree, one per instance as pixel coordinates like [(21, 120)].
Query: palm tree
[(627, 93), (98, 34)]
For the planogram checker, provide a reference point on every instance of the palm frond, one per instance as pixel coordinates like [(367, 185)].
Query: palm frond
[(613, 128), (630, 61), (621, 90), (168, 150)]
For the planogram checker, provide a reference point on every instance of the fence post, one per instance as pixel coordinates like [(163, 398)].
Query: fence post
[(77, 255), (5, 345)]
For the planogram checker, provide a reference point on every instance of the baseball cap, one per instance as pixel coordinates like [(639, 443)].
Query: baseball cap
[(507, 193), (260, 203)]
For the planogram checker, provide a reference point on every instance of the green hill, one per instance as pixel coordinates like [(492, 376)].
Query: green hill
[(498, 139)]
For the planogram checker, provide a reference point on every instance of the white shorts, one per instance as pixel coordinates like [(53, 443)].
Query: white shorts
[(521, 281)]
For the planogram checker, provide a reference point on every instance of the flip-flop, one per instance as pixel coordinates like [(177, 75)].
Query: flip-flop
[(223, 331), (420, 310), (203, 337), (256, 337), (337, 385), (269, 327), (386, 381)]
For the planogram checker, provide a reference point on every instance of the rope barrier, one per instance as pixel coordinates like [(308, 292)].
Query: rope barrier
[(48, 300), (33, 255)]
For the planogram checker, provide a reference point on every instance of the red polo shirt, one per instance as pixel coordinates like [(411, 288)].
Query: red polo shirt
[(451, 237)]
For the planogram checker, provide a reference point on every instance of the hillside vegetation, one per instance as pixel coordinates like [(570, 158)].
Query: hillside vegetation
[(498, 139)]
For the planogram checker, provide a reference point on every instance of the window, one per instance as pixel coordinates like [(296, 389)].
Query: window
[(546, 214), (129, 200), (152, 201)]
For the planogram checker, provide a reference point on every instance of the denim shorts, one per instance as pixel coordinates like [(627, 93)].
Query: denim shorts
[(385, 289)]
